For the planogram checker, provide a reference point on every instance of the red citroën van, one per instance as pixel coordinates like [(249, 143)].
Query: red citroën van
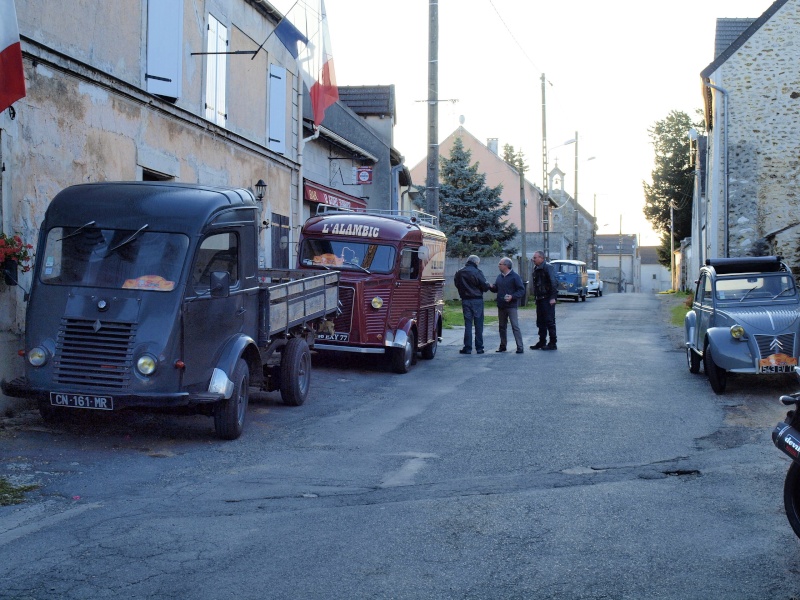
[(391, 283)]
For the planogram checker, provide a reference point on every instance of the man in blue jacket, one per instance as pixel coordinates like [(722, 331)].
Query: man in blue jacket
[(510, 290), (471, 284)]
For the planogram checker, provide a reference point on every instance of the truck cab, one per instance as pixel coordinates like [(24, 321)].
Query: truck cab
[(391, 290)]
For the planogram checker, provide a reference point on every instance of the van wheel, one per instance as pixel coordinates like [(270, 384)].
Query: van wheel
[(403, 358), (583, 297), (429, 351), (229, 414), (295, 372)]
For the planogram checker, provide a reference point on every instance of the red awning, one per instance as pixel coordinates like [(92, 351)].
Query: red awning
[(314, 192)]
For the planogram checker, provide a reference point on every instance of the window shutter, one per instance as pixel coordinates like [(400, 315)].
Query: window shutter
[(216, 72), (164, 48), (276, 135)]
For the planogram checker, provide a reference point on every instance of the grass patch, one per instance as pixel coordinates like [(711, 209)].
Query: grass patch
[(453, 316), (13, 494), (678, 312)]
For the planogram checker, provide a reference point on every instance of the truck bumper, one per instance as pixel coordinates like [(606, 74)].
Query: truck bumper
[(21, 388)]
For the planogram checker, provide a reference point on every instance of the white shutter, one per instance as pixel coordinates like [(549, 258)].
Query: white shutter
[(276, 135), (211, 69), (222, 63), (164, 47)]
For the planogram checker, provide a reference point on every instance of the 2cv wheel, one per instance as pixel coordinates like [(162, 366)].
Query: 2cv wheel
[(229, 414), (791, 497), (693, 359), (295, 372), (717, 376)]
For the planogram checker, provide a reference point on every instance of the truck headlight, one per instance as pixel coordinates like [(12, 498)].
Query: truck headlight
[(37, 356), (146, 365), (377, 302), (737, 331)]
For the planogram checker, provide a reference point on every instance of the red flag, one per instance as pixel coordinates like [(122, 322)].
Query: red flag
[(12, 76), (317, 61)]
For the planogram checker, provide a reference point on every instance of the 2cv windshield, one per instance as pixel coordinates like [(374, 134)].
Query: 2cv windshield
[(755, 288), (347, 255), (113, 258)]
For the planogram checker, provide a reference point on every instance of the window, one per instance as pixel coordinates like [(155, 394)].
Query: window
[(219, 252), (164, 47), (276, 106), (409, 264), (216, 65)]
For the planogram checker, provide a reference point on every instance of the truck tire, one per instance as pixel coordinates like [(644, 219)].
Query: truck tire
[(403, 358), (429, 351), (229, 414), (295, 372)]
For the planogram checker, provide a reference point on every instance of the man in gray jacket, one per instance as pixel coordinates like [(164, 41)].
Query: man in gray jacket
[(471, 284)]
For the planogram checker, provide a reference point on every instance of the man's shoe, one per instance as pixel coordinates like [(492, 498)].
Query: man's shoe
[(520, 350), (501, 349), (479, 352), (538, 346), (465, 351), (550, 347)]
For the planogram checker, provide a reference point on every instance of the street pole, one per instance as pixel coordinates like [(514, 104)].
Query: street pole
[(523, 266), (575, 212), (545, 195), (672, 246), (432, 183), (594, 233), (620, 253)]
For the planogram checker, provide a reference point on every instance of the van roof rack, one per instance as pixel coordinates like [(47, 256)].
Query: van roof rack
[(416, 217)]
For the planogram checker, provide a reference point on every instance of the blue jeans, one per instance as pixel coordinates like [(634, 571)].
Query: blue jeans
[(473, 313)]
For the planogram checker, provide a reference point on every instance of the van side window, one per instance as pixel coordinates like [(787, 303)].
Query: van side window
[(409, 264), (218, 252)]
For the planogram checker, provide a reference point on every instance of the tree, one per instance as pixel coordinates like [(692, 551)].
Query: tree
[(673, 181), (471, 213)]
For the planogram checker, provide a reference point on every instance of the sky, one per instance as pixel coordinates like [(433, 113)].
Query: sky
[(613, 68)]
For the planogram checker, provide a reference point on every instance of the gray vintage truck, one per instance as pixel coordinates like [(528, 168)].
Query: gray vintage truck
[(149, 295)]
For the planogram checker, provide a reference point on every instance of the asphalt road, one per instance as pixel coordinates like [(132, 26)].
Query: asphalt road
[(602, 470)]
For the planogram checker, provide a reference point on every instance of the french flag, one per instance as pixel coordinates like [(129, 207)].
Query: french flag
[(12, 76), (316, 59)]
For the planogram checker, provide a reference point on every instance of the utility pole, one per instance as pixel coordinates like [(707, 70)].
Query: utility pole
[(620, 254), (575, 212), (545, 194), (523, 204), (432, 184)]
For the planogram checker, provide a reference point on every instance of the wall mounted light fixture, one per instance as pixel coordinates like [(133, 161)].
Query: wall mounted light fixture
[(261, 188)]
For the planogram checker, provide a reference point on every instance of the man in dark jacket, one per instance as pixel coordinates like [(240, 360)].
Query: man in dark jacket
[(545, 288), (510, 290), (471, 284)]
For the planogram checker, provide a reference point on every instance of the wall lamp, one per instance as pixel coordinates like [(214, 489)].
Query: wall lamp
[(261, 189)]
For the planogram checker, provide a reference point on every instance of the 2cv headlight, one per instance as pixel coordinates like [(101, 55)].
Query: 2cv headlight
[(737, 332)]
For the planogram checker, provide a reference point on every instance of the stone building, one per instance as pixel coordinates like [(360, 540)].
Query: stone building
[(749, 202)]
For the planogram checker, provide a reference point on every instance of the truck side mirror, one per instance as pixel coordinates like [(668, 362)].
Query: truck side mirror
[(424, 253), (220, 284)]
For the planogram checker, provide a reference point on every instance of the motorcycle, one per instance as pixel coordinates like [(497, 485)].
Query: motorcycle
[(786, 436)]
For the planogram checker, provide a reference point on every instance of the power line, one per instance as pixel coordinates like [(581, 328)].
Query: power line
[(525, 54)]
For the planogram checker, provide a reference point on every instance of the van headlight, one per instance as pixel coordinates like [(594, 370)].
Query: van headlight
[(146, 364), (737, 331), (37, 356)]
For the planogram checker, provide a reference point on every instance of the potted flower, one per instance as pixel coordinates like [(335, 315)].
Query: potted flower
[(14, 255)]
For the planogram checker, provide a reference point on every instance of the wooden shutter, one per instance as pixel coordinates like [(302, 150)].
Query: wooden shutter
[(164, 47), (276, 107)]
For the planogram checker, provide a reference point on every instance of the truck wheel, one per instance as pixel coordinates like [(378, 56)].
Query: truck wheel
[(429, 351), (717, 376), (295, 372), (48, 412), (403, 358), (229, 414)]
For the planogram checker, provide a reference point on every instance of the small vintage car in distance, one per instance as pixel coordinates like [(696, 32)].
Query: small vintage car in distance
[(594, 283), (745, 318)]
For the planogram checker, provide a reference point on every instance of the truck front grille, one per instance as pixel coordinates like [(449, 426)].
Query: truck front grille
[(94, 354)]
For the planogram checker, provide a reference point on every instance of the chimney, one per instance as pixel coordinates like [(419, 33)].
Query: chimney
[(492, 144)]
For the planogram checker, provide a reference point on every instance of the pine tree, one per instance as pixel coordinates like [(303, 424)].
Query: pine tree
[(472, 214)]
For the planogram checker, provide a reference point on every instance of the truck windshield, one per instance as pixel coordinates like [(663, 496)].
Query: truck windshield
[(347, 255), (113, 258)]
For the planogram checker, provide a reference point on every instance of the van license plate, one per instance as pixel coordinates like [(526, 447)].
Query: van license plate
[(82, 401)]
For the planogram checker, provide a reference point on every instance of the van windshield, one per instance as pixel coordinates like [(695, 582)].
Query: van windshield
[(113, 258), (347, 255)]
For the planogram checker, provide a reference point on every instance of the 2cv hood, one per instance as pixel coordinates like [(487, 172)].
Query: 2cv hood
[(766, 319)]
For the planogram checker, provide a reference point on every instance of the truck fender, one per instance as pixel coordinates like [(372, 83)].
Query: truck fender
[(689, 324), (729, 353), (234, 349), (397, 338)]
